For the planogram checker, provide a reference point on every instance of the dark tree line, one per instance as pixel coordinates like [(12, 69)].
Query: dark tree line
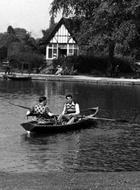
[(20, 49), (107, 27)]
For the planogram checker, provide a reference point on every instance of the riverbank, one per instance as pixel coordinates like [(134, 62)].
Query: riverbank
[(83, 78), (70, 181)]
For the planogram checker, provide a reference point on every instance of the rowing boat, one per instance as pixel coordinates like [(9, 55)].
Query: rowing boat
[(84, 121), (17, 77), (20, 77)]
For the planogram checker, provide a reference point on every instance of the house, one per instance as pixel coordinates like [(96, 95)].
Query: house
[(61, 42)]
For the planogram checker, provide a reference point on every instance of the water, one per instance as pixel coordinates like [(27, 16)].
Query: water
[(108, 147)]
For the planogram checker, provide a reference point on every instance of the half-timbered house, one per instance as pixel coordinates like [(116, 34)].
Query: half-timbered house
[(61, 42)]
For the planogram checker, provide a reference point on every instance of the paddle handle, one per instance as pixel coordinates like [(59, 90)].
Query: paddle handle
[(24, 107), (109, 119)]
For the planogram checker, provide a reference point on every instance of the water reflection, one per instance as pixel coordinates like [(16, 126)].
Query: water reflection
[(52, 152), (109, 147), (106, 148)]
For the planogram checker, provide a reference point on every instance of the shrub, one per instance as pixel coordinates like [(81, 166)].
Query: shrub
[(124, 64), (92, 64), (81, 64), (26, 61)]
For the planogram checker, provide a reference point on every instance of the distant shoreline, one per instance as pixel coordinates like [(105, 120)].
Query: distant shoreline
[(82, 78)]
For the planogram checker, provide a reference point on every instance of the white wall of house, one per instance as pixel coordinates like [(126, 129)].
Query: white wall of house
[(61, 43)]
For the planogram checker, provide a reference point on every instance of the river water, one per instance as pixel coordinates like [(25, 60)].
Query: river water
[(110, 146)]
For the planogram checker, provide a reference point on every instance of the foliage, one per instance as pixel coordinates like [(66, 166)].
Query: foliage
[(92, 64), (3, 53), (108, 26), (46, 33), (26, 60), (19, 36), (78, 8), (20, 48), (10, 30)]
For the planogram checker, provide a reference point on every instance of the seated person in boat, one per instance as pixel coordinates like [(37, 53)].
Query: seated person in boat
[(40, 110), (70, 111)]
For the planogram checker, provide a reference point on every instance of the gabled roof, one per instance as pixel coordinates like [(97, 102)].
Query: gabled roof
[(70, 24)]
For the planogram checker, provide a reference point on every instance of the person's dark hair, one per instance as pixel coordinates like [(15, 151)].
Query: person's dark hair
[(42, 98), (68, 95)]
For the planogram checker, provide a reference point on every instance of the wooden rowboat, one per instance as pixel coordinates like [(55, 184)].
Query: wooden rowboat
[(47, 128), (18, 77)]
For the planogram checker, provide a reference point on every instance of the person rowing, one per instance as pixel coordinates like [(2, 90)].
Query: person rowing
[(41, 110), (70, 111)]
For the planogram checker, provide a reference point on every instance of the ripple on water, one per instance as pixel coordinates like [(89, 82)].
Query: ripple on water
[(111, 146)]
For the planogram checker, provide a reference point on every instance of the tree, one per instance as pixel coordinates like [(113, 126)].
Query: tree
[(19, 48), (52, 22), (46, 33), (3, 53), (106, 25), (10, 30)]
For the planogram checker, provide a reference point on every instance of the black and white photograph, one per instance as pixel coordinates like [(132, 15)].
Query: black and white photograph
[(69, 95)]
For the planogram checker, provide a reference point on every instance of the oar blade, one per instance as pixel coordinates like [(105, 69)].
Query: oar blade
[(90, 111)]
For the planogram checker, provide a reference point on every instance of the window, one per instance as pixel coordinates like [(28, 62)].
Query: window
[(63, 46), (62, 49), (52, 51), (70, 51), (73, 49)]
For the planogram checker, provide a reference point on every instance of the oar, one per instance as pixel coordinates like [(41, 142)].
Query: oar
[(93, 109), (92, 116), (19, 105), (24, 107), (108, 119), (96, 109)]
